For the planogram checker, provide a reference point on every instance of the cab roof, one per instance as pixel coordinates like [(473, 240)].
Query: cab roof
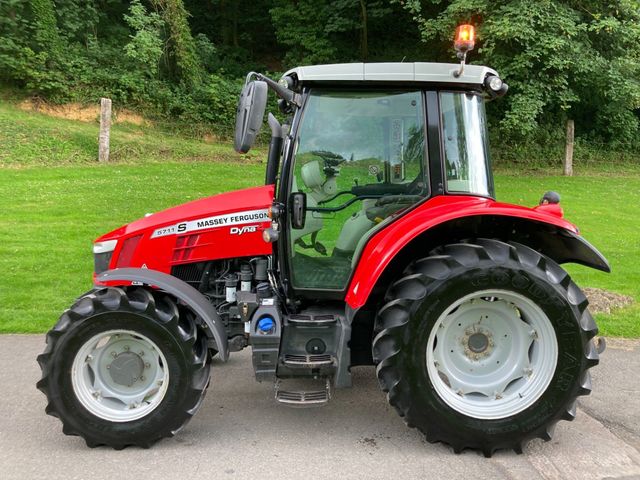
[(391, 72)]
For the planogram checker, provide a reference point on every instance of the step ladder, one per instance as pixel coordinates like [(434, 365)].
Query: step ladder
[(303, 392), (318, 320)]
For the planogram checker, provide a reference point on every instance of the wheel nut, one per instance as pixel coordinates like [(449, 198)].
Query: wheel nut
[(147, 365), (114, 354), (141, 353), (142, 378), (126, 348)]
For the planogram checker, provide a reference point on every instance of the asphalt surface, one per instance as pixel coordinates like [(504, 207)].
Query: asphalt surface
[(241, 433)]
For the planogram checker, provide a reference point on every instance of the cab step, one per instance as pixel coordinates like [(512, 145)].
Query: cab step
[(307, 392), (308, 361), (315, 320)]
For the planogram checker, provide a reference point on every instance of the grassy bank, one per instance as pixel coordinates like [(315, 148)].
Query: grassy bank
[(30, 139)]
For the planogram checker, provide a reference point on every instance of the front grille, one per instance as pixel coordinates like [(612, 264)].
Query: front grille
[(189, 272), (101, 262)]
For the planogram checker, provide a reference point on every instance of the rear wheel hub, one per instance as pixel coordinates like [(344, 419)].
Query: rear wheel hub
[(492, 354), (478, 342)]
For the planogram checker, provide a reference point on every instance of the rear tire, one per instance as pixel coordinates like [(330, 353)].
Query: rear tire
[(452, 387), (124, 367)]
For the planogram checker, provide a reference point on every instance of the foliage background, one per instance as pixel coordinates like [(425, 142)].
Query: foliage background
[(184, 61)]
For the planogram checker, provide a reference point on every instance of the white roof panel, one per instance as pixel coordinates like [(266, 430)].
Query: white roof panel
[(391, 72)]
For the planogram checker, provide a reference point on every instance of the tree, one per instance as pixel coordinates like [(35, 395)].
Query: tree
[(77, 19), (183, 58), (302, 27), (45, 25), (319, 31), (561, 58), (145, 46)]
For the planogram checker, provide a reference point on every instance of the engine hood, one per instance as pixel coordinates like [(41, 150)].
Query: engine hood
[(227, 225), (223, 203)]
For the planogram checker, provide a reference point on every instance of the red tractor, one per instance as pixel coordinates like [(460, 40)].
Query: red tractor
[(376, 240)]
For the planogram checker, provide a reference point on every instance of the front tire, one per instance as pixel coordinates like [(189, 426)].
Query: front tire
[(124, 367), (485, 345)]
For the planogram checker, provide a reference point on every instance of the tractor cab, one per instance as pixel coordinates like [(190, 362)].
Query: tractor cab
[(365, 144)]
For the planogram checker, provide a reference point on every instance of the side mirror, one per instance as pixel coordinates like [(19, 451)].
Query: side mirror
[(298, 204), (249, 115)]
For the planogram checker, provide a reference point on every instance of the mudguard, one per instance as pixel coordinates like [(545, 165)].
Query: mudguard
[(443, 218), (179, 289)]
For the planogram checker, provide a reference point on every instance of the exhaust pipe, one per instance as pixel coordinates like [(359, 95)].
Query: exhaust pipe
[(275, 149)]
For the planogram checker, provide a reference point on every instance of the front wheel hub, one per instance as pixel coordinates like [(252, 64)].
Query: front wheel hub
[(120, 375), (126, 369)]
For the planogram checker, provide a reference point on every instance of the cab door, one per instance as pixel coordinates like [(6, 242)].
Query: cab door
[(360, 158)]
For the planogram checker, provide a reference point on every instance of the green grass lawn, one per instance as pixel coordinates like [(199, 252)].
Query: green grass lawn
[(51, 214), (607, 211), (50, 217)]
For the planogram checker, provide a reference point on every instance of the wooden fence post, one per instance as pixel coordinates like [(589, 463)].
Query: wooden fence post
[(568, 152), (105, 129)]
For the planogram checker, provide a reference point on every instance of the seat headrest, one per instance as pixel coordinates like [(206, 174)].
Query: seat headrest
[(312, 175)]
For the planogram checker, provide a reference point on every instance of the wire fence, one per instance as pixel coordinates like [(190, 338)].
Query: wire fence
[(548, 154)]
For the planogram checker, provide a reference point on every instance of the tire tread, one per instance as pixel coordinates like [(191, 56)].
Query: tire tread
[(156, 307), (442, 263)]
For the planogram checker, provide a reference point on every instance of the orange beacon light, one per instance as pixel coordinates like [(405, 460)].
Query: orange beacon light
[(465, 38)]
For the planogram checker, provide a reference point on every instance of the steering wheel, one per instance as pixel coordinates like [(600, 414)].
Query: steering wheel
[(331, 161)]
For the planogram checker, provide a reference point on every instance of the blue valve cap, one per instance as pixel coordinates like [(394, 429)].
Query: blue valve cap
[(266, 324)]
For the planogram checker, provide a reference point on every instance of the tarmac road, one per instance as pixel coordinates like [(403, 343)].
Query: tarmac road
[(241, 433)]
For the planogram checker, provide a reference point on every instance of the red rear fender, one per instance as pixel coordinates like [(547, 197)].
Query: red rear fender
[(449, 219)]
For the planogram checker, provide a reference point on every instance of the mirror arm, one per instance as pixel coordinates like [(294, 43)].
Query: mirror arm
[(282, 91)]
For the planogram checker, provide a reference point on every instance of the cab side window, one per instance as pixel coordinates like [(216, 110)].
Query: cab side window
[(360, 159)]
